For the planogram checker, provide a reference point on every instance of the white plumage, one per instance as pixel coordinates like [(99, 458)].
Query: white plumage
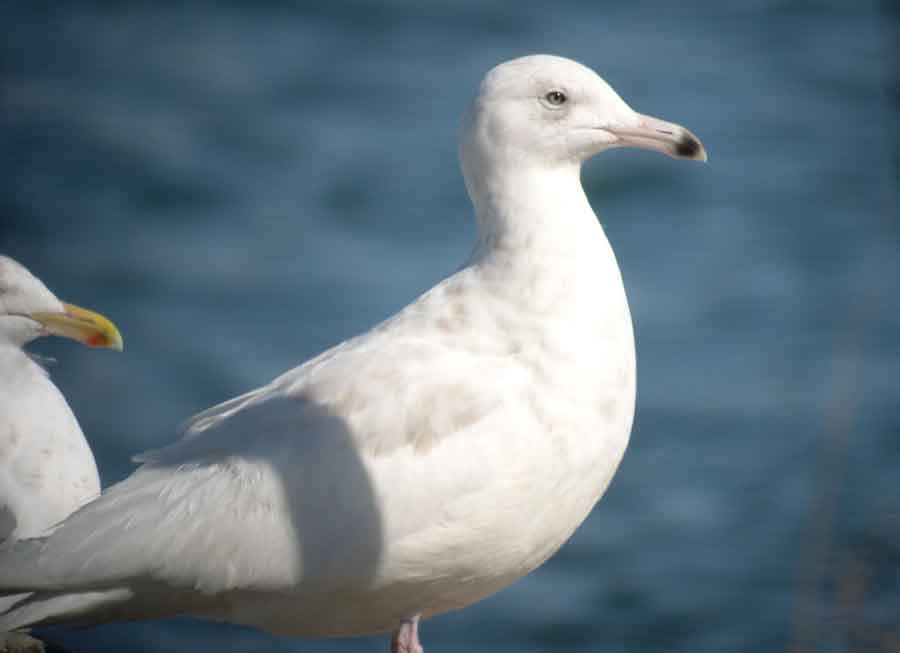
[(420, 466), (47, 469)]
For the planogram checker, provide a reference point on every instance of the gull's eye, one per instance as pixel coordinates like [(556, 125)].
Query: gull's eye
[(556, 98)]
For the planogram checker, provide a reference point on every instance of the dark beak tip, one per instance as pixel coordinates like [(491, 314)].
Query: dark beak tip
[(688, 147)]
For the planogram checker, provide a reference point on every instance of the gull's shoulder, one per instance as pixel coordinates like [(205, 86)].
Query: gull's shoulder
[(388, 387)]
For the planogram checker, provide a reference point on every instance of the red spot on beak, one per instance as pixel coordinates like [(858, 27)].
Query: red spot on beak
[(96, 340)]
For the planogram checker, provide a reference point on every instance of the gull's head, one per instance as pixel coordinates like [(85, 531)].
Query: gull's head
[(29, 310), (547, 111)]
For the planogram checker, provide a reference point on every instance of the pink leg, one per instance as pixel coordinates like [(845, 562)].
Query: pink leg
[(406, 638)]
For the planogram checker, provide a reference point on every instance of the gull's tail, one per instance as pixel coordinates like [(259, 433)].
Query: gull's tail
[(116, 558), (46, 608), (7, 604), (29, 598), (24, 603)]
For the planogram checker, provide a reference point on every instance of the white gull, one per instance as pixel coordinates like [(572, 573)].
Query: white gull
[(47, 469), (420, 466)]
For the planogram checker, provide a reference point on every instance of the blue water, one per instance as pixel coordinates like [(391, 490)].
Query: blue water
[(239, 185)]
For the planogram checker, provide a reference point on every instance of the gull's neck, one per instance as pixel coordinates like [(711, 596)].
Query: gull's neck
[(522, 208), (15, 361)]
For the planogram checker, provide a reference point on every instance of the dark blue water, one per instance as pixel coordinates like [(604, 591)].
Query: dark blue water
[(239, 185)]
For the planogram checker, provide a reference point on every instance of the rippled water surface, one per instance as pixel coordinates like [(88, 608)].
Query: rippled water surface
[(239, 185)]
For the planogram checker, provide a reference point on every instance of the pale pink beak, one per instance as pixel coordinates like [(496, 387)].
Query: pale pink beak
[(655, 134)]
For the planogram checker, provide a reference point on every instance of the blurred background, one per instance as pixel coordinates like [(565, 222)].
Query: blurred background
[(240, 185)]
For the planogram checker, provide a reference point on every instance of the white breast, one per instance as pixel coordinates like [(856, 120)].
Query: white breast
[(47, 469)]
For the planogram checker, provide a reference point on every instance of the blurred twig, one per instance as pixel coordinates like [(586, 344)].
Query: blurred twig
[(853, 577)]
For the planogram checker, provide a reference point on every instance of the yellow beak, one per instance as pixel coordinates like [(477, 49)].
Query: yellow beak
[(87, 327)]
